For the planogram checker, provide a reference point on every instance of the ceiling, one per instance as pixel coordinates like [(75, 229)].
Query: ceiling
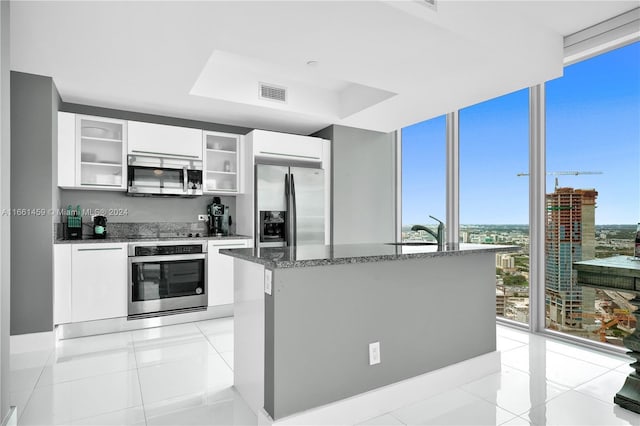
[(375, 64)]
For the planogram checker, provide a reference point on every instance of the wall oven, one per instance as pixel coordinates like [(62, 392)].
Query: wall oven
[(152, 175), (167, 276)]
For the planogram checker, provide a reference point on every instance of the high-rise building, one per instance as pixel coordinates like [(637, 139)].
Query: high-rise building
[(570, 237)]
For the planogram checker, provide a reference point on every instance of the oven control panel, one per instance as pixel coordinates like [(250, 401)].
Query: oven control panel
[(164, 250)]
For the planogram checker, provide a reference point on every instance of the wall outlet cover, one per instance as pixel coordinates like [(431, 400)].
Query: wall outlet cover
[(268, 278), (374, 353)]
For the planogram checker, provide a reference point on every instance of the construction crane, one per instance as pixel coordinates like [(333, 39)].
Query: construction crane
[(570, 173)]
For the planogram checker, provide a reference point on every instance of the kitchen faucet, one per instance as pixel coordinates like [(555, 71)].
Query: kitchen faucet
[(439, 236)]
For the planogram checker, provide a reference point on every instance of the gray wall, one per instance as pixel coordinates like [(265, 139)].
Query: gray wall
[(319, 322), (33, 102), (151, 118), (144, 209), (363, 185), (5, 203)]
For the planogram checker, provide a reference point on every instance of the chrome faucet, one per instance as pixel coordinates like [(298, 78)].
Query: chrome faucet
[(439, 236)]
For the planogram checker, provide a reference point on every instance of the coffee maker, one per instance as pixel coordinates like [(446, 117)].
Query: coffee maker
[(99, 227), (219, 219)]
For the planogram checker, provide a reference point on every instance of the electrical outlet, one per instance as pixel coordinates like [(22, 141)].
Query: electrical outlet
[(203, 217), (268, 280), (374, 353)]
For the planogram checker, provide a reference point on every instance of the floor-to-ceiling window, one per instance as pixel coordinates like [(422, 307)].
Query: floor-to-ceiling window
[(494, 203), (593, 189), (423, 176)]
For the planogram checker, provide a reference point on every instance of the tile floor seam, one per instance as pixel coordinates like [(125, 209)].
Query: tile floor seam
[(584, 383), (395, 417), (25, 406), (595, 397), (35, 384), (144, 411), (581, 359), (487, 400), (218, 352), (513, 340), (77, 379), (105, 413)]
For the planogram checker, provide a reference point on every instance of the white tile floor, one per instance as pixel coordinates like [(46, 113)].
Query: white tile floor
[(182, 375)]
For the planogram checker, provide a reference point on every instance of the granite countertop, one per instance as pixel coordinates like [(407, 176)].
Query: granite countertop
[(318, 255), (149, 239)]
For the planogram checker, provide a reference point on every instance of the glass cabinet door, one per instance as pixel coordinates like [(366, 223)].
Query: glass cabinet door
[(165, 280), (100, 152), (221, 157)]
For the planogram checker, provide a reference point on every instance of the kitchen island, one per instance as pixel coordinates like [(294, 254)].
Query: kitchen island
[(305, 318)]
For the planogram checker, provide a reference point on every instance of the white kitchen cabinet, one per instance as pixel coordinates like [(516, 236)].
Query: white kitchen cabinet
[(163, 140), (91, 152), (221, 270), (61, 283), (286, 146), (222, 166), (98, 281)]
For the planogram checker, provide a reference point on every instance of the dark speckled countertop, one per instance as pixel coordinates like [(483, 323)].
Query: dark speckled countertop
[(318, 255), (134, 239)]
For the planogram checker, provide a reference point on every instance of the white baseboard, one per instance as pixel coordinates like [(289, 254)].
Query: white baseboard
[(32, 342), (388, 398)]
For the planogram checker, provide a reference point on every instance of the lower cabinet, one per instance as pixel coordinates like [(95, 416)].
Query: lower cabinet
[(98, 281), (220, 274), (91, 280)]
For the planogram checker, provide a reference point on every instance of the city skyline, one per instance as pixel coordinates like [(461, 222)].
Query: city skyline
[(593, 124)]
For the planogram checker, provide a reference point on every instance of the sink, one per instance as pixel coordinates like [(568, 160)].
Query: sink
[(414, 243)]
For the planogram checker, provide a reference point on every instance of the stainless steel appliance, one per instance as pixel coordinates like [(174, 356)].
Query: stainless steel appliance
[(166, 276), (219, 219), (151, 175), (289, 205)]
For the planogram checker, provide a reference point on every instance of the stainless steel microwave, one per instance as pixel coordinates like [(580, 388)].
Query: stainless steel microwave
[(149, 175)]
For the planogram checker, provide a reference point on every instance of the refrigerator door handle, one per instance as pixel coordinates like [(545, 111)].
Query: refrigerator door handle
[(287, 200), (294, 213)]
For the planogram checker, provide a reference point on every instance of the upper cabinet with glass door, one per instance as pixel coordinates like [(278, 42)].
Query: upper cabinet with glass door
[(222, 162), (101, 149), (91, 152)]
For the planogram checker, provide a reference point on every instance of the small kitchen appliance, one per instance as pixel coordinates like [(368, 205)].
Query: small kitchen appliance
[(99, 227), (73, 224), (219, 219)]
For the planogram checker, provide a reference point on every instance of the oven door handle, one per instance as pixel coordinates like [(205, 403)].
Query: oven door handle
[(167, 258)]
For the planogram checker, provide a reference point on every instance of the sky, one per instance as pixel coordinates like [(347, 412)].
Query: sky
[(593, 124)]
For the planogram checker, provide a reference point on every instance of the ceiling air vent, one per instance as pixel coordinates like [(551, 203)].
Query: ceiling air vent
[(272, 92)]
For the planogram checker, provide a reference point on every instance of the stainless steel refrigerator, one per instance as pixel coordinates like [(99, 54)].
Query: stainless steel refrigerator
[(289, 205)]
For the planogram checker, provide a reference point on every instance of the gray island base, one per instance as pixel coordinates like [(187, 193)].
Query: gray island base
[(305, 318)]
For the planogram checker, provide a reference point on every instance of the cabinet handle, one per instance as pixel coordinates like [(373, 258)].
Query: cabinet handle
[(289, 155), (164, 153), (100, 249)]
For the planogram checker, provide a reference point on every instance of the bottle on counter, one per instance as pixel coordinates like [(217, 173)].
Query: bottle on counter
[(636, 252)]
